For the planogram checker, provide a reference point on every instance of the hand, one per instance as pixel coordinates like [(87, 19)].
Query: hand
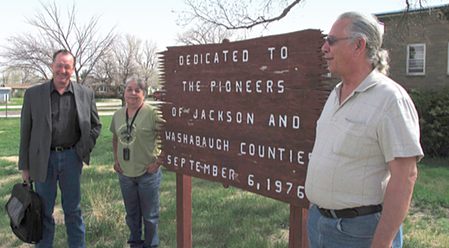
[(152, 168), (117, 168), (26, 176)]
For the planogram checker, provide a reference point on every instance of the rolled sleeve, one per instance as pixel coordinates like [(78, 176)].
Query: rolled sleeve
[(399, 131)]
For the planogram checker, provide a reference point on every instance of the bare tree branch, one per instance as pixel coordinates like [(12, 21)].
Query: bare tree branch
[(204, 34), (205, 16), (234, 15), (54, 32), (148, 62), (128, 56)]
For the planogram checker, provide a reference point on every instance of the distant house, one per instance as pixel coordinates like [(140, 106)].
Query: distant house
[(102, 88), (418, 43), (5, 94), (18, 89)]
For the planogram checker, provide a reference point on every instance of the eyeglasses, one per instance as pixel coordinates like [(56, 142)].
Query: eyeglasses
[(63, 66), (331, 40), (131, 90)]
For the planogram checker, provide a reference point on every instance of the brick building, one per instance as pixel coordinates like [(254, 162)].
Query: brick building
[(418, 43)]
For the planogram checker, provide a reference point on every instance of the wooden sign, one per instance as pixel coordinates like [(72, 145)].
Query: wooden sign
[(244, 113)]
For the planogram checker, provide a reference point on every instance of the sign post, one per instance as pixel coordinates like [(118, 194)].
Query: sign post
[(183, 210), (244, 113)]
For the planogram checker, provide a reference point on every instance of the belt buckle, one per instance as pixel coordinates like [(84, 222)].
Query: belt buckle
[(333, 214), (59, 148), (329, 213)]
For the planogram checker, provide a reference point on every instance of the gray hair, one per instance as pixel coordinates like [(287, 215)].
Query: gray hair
[(368, 27), (141, 84)]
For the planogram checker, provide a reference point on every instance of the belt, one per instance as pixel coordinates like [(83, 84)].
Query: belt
[(350, 212), (61, 148)]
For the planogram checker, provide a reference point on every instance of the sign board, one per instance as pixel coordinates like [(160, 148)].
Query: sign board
[(244, 113)]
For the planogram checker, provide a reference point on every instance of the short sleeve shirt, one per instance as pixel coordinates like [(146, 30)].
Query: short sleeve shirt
[(142, 143), (355, 141)]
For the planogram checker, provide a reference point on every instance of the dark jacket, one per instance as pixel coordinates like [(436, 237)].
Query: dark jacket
[(35, 128)]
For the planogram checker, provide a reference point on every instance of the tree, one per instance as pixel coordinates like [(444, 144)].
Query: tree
[(135, 58), (211, 18), (17, 76), (29, 53), (128, 56), (125, 53), (204, 34), (34, 51), (105, 70), (147, 59), (237, 14), (410, 4)]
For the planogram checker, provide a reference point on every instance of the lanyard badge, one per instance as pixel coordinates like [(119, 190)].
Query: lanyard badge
[(129, 129)]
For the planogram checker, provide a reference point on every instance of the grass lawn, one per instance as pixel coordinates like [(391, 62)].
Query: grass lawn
[(14, 101), (221, 217), (11, 106)]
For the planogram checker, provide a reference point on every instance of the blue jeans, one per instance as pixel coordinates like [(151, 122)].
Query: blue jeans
[(141, 198), (64, 168), (354, 232)]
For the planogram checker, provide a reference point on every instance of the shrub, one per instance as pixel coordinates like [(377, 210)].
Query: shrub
[(433, 110)]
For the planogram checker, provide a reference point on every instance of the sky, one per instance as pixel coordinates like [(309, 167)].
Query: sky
[(156, 20)]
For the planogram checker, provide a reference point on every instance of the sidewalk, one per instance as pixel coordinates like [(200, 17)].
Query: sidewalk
[(104, 108), (16, 114)]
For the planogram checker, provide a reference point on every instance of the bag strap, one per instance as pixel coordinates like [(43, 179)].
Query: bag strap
[(29, 183)]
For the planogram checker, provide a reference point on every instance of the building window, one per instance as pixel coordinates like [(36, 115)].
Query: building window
[(416, 59), (102, 89)]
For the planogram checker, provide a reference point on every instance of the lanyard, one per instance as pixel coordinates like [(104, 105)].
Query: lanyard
[(129, 127)]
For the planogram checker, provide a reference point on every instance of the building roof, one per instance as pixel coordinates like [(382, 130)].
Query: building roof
[(444, 7), (19, 86)]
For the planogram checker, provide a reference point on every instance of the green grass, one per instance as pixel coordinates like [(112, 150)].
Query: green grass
[(12, 101), (427, 191), (221, 217), (9, 133), (427, 224), (15, 101)]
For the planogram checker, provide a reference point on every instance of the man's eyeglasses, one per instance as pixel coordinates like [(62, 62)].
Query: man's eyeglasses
[(331, 40), (64, 66)]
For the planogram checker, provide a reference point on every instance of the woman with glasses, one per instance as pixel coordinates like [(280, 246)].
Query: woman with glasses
[(136, 152)]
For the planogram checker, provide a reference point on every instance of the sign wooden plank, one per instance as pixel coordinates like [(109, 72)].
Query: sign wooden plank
[(244, 113)]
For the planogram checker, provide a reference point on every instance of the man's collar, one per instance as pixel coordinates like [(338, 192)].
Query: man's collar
[(67, 89), (369, 81)]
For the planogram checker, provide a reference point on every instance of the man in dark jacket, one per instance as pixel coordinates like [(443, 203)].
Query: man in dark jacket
[(59, 128)]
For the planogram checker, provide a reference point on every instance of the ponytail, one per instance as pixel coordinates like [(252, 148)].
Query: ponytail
[(381, 61)]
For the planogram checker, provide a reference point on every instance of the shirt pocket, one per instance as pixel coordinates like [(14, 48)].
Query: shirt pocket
[(353, 139)]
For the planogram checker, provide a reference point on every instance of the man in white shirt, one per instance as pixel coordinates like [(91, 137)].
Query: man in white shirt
[(362, 171)]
